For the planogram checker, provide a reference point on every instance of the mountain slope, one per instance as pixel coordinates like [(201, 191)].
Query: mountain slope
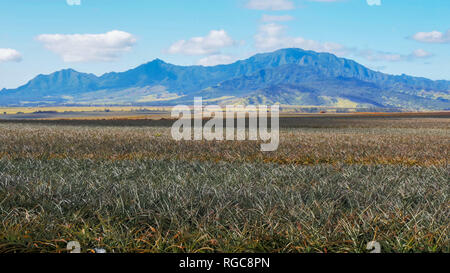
[(332, 91), (287, 76)]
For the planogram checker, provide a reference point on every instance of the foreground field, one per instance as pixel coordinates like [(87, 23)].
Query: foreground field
[(334, 184)]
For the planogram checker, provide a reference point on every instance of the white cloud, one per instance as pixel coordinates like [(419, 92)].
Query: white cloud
[(73, 2), (89, 47), (374, 2), (216, 60), (325, 0), (420, 53), (432, 37), (9, 55), (270, 4), (272, 36), (209, 44), (376, 56), (276, 18)]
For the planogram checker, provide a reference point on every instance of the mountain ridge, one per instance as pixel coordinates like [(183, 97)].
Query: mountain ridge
[(158, 83)]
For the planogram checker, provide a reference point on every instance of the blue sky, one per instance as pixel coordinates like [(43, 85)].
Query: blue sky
[(98, 36)]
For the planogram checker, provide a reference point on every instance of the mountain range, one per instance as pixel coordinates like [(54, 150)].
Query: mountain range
[(288, 76)]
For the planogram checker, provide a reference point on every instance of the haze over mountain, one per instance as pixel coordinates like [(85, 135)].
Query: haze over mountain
[(287, 76)]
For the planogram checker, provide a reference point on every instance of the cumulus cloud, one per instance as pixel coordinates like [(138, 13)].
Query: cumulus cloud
[(420, 53), (432, 37), (374, 2), (276, 18), (216, 60), (9, 55), (73, 2), (376, 56), (273, 36), (324, 0), (209, 44), (89, 47), (270, 4)]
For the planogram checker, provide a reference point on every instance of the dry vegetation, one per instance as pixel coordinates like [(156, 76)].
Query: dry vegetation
[(62, 109), (334, 184)]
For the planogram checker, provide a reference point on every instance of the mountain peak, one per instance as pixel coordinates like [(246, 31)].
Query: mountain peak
[(67, 71), (71, 70), (293, 51), (157, 61)]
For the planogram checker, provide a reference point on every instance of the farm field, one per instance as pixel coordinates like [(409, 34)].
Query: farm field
[(335, 183)]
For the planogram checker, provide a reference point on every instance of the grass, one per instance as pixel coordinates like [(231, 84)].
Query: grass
[(62, 109), (334, 185)]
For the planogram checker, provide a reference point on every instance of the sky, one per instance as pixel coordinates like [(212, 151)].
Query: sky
[(97, 36)]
